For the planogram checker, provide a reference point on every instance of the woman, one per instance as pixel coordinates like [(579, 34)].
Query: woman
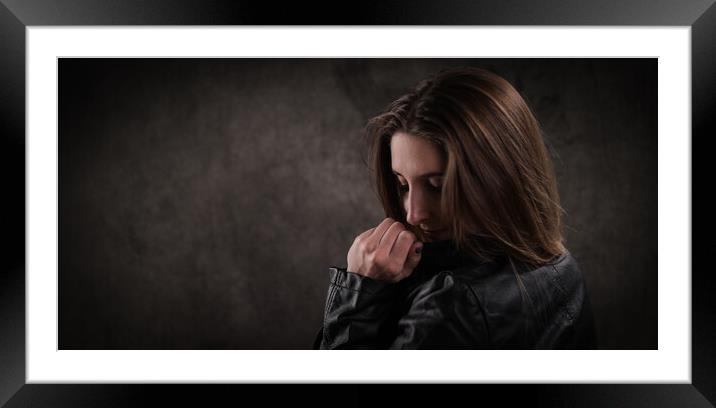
[(471, 253)]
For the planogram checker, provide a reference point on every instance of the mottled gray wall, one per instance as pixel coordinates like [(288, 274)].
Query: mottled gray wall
[(202, 201)]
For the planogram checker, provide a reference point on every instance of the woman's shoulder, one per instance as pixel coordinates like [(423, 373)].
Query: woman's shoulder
[(444, 288), (497, 277), (494, 295), (501, 279)]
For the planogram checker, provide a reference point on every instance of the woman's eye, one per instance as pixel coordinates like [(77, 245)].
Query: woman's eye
[(403, 188)]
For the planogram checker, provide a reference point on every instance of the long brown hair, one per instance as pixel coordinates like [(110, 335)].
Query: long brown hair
[(499, 190)]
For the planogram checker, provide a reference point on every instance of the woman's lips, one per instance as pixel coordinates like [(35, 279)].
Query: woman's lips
[(436, 230), (435, 233)]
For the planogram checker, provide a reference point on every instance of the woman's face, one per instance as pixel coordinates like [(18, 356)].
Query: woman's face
[(419, 168)]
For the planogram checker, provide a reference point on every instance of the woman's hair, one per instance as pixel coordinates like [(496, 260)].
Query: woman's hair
[(499, 189)]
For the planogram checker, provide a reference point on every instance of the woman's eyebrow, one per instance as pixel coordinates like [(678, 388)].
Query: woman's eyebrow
[(425, 175)]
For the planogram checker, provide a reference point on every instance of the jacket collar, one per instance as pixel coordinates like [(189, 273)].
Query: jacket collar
[(443, 255)]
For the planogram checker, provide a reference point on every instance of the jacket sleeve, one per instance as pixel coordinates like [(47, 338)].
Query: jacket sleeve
[(445, 313), (357, 312)]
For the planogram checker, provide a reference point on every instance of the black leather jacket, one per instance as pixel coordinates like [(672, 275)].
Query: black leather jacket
[(451, 301)]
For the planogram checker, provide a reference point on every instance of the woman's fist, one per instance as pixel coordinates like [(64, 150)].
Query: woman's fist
[(388, 252)]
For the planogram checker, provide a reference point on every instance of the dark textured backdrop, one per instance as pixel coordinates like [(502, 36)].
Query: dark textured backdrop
[(201, 201)]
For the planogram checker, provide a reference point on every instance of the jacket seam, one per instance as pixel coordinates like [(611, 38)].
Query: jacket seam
[(482, 313), (559, 283), (346, 287), (328, 307), (555, 277), (331, 296)]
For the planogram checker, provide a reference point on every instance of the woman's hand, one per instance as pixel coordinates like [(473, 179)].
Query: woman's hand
[(388, 252)]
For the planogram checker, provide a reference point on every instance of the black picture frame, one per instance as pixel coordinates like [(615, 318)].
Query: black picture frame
[(16, 15)]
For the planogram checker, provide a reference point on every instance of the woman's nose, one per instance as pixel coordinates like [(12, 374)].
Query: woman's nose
[(416, 208)]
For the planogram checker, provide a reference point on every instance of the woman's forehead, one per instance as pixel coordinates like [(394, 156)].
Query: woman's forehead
[(413, 156)]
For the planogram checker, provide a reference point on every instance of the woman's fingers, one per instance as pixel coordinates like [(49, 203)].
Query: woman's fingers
[(386, 252), (415, 252), (382, 227), (378, 232), (403, 245), (366, 234), (388, 240)]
